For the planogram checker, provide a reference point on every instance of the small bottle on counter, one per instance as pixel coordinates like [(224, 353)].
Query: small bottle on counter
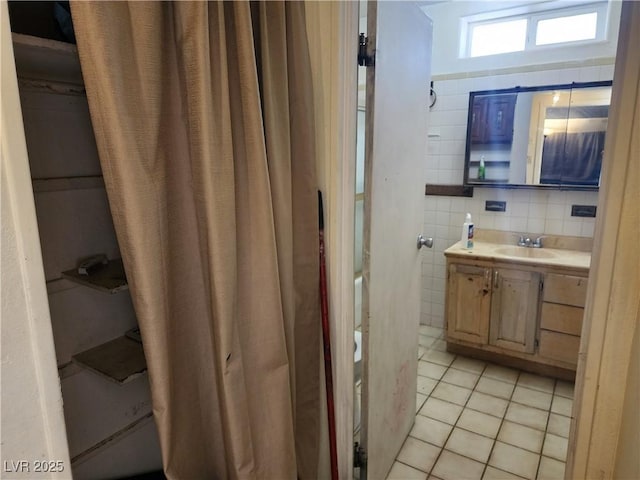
[(481, 169), (467, 233)]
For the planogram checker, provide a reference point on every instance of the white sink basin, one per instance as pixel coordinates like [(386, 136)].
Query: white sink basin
[(525, 252)]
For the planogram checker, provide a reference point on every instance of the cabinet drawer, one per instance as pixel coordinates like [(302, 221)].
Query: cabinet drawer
[(565, 289), (561, 318), (559, 346)]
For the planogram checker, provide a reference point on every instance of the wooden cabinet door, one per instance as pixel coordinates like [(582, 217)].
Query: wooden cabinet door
[(514, 309), (478, 119), (500, 111), (469, 303)]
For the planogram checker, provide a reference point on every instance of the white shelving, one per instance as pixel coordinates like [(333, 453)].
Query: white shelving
[(109, 279), (120, 360)]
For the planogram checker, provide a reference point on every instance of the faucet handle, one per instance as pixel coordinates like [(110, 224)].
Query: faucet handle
[(537, 243)]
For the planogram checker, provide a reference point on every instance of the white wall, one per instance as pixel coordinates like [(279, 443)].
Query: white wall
[(528, 211), (31, 414), (447, 16)]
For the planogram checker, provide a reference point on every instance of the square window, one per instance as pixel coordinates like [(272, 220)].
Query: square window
[(498, 37), (567, 29)]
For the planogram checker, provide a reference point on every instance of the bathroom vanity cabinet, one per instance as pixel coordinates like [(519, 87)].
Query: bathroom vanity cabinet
[(522, 311)]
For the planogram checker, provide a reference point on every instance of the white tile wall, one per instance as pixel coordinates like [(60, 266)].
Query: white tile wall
[(528, 211)]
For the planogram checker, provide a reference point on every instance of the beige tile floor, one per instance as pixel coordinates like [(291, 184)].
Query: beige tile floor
[(477, 420)]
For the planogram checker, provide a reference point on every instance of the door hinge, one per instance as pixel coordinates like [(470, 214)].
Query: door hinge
[(364, 59), (536, 343), (359, 456), (541, 285)]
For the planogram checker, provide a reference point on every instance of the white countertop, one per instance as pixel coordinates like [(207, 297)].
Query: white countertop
[(525, 255)]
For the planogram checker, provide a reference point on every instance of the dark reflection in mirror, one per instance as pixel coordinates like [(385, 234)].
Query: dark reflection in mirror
[(550, 136)]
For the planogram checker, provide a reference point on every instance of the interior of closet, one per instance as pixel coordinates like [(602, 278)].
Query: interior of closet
[(107, 403)]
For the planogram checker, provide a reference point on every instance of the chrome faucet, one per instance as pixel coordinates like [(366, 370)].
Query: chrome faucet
[(528, 242)]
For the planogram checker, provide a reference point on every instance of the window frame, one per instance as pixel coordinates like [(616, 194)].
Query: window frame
[(534, 14)]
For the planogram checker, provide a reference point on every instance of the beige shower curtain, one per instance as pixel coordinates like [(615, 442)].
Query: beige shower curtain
[(202, 113)]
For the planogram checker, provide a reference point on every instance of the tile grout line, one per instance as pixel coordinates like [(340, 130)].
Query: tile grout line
[(447, 439), (465, 406), (495, 440), (546, 428), (459, 415)]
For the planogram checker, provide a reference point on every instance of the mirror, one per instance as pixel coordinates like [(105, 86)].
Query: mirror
[(531, 137)]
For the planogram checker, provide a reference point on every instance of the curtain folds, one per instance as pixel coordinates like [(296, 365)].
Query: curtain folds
[(203, 118)]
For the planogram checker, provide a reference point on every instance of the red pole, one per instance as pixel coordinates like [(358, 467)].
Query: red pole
[(326, 340)]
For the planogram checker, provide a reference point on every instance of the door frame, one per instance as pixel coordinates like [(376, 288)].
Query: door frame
[(600, 357), (39, 431), (332, 29), (596, 449)]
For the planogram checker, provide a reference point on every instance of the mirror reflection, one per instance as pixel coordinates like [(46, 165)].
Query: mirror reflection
[(551, 136)]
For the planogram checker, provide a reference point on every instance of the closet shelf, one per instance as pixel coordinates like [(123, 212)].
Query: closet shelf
[(109, 279), (120, 360), (67, 183), (490, 163), (487, 180), (44, 59)]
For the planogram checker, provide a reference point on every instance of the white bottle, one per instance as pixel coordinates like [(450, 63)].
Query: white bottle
[(467, 233)]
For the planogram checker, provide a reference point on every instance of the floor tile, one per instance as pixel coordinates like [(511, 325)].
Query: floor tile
[(531, 417), (421, 351), (479, 422), (504, 374), (555, 447), (441, 358), (431, 331), (459, 426), (426, 385), (400, 471), (462, 378), (536, 382), (420, 398), (514, 460), (488, 404), (469, 444), (439, 345), (430, 430), (564, 389), (437, 409), (426, 342), (451, 393), (451, 466), (562, 405), (551, 469), (418, 454), (532, 398), (431, 370), (492, 473), (494, 387), (468, 365), (559, 425), (521, 436)]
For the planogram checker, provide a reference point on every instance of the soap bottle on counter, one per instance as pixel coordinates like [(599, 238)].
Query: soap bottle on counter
[(467, 233), (481, 169)]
